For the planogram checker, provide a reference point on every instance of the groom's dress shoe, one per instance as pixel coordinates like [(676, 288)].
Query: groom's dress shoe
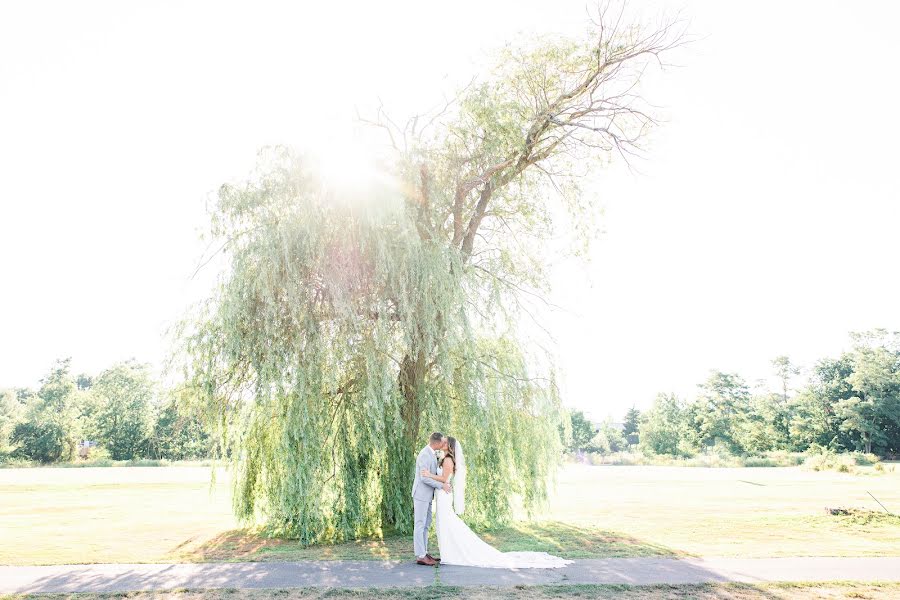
[(427, 561), (432, 558)]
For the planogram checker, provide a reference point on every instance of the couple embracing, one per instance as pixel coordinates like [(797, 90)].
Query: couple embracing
[(441, 474)]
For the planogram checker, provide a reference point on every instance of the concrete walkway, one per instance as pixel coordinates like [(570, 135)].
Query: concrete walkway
[(637, 571)]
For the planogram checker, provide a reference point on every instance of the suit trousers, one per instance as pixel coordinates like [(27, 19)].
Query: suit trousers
[(422, 522)]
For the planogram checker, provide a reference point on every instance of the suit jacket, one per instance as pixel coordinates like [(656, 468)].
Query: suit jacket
[(423, 487)]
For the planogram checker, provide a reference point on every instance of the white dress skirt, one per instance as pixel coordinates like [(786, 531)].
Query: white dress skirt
[(460, 546)]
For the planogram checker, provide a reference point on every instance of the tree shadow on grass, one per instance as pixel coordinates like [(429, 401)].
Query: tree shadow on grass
[(562, 539), (262, 546), (573, 541)]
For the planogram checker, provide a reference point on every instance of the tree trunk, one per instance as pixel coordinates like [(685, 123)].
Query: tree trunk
[(411, 377)]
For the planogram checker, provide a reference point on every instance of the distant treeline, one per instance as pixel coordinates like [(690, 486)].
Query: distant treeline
[(123, 410), (848, 403)]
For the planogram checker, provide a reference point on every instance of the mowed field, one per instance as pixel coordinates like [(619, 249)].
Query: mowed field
[(747, 512), (107, 514), (157, 514)]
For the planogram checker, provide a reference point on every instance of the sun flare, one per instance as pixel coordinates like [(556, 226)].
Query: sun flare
[(349, 166)]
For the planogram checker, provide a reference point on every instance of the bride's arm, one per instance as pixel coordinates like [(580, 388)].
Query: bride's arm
[(447, 471)]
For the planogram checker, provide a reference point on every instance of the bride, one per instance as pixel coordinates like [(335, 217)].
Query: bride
[(458, 544)]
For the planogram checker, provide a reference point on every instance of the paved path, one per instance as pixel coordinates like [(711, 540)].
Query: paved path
[(122, 578)]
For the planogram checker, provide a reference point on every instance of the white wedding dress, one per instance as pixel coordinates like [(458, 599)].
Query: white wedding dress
[(460, 546)]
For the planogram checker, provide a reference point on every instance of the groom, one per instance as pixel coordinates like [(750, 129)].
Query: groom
[(423, 494)]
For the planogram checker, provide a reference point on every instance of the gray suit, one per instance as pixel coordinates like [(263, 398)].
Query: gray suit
[(423, 494)]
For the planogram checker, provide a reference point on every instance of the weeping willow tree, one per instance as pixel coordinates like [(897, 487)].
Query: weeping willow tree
[(350, 322)]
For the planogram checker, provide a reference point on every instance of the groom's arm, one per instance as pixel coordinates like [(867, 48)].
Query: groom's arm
[(420, 464)]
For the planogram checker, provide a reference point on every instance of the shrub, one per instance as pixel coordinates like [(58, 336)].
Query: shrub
[(822, 459), (96, 453), (708, 459)]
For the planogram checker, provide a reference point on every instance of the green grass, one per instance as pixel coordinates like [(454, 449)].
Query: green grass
[(733, 511), (719, 591), (162, 514), (135, 514)]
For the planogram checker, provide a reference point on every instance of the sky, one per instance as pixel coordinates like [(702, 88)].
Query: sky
[(761, 221)]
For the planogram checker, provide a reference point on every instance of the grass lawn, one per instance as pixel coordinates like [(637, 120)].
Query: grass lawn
[(114, 514), (161, 514), (746, 512), (726, 591)]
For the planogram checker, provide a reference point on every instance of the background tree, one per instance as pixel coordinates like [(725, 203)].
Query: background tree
[(663, 427), (178, 433), (121, 420), (50, 428), (814, 418), (11, 410), (351, 322), (84, 381), (785, 370), (608, 438), (632, 421), (582, 432), (722, 406), (812, 421), (876, 382), (891, 447), (768, 425)]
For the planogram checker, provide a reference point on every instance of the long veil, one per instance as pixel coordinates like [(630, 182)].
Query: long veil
[(459, 480)]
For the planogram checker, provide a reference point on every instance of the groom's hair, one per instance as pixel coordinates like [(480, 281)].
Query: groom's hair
[(437, 436)]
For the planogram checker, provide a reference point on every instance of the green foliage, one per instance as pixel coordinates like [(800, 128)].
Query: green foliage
[(813, 416), (785, 370), (121, 409), (11, 411), (84, 381), (608, 439), (178, 433), (851, 403), (777, 458), (50, 427), (819, 458), (720, 411), (663, 428), (338, 340), (876, 385), (763, 425), (582, 432), (352, 320), (98, 456), (632, 421)]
